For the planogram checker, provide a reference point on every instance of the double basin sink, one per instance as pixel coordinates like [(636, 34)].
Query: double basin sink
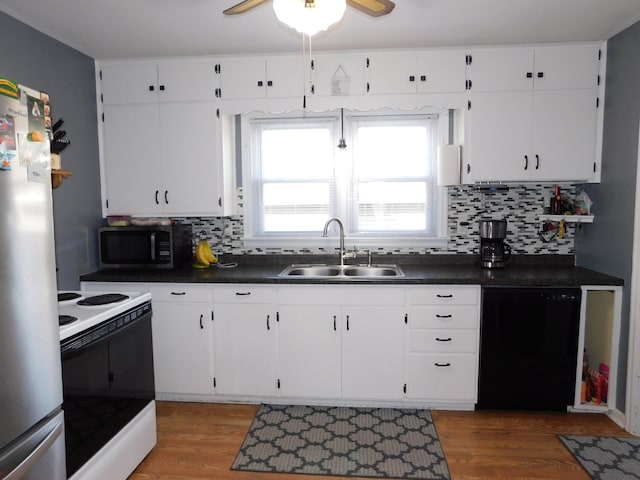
[(342, 271)]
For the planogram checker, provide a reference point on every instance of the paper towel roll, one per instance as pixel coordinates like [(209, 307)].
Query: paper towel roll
[(448, 165)]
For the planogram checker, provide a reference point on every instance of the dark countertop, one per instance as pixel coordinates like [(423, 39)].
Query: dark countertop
[(524, 270)]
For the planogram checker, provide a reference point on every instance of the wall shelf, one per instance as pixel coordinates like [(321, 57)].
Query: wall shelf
[(57, 176), (568, 218)]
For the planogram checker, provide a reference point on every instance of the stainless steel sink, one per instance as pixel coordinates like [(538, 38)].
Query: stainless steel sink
[(312, 271), (372, 271), (342, 271)]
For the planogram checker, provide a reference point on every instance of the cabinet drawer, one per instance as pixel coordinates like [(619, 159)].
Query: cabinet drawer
[(444, 317), (451, 341), (180, 292), (243, 293), (442, 377), (444, 294)]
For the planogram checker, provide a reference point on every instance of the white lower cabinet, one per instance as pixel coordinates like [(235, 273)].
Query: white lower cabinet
[(372, 352), (341, 342), (244, 332), (182, 353), (309, 351), (442, 353)]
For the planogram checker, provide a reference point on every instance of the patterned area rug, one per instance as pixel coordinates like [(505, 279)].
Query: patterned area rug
[(344, 441), (606, 458)]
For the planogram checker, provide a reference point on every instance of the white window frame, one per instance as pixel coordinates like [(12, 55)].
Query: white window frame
[(252, 239)]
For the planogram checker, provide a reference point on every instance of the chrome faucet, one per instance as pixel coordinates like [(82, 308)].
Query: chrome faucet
[(324, 234)]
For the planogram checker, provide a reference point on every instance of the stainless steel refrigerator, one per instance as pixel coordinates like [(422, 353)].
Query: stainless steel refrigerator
[(31, 417)]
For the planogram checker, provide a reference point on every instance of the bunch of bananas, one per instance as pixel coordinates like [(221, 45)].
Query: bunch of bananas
[(204, 255)]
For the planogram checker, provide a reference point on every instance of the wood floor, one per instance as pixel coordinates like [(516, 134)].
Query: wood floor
[(201, 440)]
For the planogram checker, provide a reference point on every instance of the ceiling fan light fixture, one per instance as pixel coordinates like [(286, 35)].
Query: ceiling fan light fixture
[(309, 16)]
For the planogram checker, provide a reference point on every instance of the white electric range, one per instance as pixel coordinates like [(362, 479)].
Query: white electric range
[(78, 305), (108, 382)]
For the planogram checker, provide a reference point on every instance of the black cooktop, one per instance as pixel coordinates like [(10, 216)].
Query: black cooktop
[(66, 319), (104, 299), (67, 296)]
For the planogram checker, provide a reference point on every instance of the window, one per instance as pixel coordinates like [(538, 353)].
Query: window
[(382, 185)]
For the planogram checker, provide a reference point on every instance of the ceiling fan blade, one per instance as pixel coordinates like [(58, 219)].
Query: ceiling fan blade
[(243, 6), (375, 8)]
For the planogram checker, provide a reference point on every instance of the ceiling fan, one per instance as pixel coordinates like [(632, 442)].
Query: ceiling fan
[(375, 8)]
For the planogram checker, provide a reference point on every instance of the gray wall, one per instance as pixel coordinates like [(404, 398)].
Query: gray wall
[(607, 245), (38, 61)]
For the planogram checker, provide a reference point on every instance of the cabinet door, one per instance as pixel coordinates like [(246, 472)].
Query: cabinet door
[(327, 68), (501, 70), (129, 83), (392, 72), (189, 140), (184, 81), (566, 67), (441, 71), (182, 348), (309, 351), (243, 78), (131, 159), (564, 135), (499, 139), (372, 352), (245, 349), (286, 76)]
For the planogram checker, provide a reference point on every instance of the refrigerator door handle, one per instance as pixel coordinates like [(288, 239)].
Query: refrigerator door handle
[(21, 470)]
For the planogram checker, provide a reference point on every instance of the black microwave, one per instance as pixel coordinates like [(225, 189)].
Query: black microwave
[(145, 247)]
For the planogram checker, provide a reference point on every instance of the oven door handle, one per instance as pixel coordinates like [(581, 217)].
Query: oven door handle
[(153, 247), (23, 468)]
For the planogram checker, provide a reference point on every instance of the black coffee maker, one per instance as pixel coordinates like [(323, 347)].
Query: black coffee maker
[(494, 251)]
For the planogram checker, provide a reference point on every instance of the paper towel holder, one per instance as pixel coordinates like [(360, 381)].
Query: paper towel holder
[(448, 165)]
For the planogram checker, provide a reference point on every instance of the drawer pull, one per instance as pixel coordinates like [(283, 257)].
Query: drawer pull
[(243, 293), (178, 293), (443, 339), (442, 364), (443, 316), (444, 296)]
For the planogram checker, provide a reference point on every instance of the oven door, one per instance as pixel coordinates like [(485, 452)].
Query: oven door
[(107, 375)]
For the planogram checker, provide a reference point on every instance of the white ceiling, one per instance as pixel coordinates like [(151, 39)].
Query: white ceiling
[(162, 28)]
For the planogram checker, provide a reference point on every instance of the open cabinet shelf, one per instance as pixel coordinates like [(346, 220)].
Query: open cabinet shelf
[(568, 218), (599, 336)]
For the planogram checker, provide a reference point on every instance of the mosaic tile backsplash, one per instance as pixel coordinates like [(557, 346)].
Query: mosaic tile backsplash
[(520, 206)]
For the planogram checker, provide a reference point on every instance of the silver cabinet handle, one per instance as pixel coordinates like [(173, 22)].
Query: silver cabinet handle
[(23, 468)]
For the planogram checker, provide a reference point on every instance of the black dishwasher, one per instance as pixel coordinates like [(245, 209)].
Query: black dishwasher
[(529, 348)]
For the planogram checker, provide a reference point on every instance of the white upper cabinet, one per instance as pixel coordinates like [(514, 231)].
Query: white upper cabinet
[(129, 83), (260, 77), (564, 67), (162, 139), (165, 82), (186, 81), (533, 114), (434, 71), (335, 74)]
